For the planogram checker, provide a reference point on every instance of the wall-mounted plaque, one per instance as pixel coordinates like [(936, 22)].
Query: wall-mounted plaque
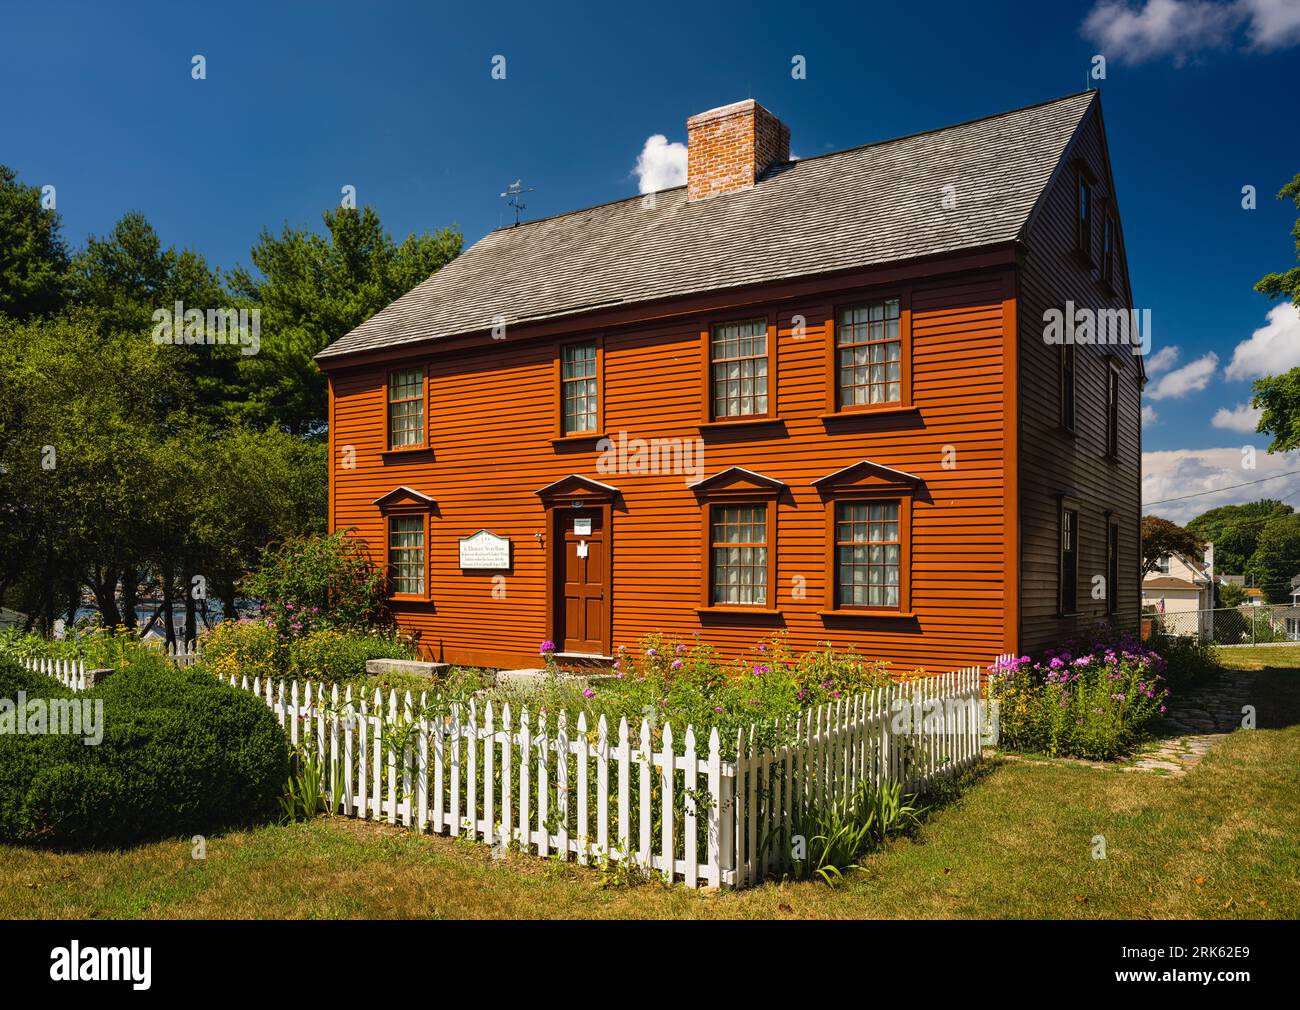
[(484, 550), (582, 526)]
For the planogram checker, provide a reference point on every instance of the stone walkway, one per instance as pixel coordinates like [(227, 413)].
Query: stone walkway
[(1194, 723)]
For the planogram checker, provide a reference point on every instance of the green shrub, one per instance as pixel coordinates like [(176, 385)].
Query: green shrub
[(1189, 662), (335, 657), (180, 753), (244, 648)]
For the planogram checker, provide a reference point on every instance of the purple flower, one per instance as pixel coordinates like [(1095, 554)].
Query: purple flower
[(760, 670), (546, 648), (717, 708), (681, 647), (652, 653), (588, 693), (677, 664)]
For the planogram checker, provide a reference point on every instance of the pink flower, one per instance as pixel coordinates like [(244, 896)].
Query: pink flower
[(588, 693)]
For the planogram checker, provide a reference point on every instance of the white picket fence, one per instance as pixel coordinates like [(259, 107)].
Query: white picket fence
[(185, 653), (71, 673), (576, 791), (573, 790)]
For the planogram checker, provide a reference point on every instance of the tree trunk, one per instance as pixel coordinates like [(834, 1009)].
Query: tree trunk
[(130, 587), (191, 613), (168, 589)]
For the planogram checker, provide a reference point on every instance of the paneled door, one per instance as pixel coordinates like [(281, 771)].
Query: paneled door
[(581, 580)]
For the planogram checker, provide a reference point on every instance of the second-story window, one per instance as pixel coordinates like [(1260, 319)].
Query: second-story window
[(869, 352), (1108, 249), (406, 408), (738, 378), (1067, 386), (1083, 217), (579, 387)]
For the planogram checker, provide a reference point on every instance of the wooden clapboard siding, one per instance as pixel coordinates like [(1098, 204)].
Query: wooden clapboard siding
[(1051, 461), (492, 407)]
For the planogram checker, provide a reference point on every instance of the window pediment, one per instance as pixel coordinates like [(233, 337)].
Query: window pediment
[(738, 482), (868, 477), (405, 499)]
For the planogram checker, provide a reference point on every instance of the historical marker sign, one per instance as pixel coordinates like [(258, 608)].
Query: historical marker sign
[(484, 550)]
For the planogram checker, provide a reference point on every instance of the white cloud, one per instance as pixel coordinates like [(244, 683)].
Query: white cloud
[(1242, 417), (1191, 378), (660, 165), (1271, 349), (1162, 359), (1274, 24), (1149, 415), (1180, 28), (1178, 472)]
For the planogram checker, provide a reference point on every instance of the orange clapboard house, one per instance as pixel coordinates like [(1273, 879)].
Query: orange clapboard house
[(818, 396)]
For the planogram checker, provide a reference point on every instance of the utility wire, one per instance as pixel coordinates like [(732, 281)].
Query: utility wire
[(1217, 490)]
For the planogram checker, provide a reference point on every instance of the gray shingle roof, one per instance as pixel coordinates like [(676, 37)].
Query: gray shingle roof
[(856, 208)]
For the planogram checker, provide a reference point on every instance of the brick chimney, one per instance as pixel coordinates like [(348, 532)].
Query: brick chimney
[(729, 148)]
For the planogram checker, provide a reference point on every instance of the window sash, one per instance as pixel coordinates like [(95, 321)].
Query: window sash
[(738, 357), (738, 555), (1067, 386), (1083, 223), (406, 554), (579, 387), (868, 555), (868, 355), (406, 408), (1069, 560)]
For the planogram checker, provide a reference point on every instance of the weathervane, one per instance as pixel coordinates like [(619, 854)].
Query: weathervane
[(513, 192)]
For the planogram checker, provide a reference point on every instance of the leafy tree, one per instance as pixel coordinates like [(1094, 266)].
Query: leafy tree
[(1229, 595), (1287, 283), (1277, 557), (1234, 530), (129, 275), (1279, 395), (33, 257), (1160, 537), (313, 289)]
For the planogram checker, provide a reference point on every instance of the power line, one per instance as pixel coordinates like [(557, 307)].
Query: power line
[(1218, 490)]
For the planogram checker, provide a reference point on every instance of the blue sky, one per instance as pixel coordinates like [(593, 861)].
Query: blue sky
[(398, 100)]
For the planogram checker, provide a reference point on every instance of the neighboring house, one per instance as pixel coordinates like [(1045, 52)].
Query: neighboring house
[(1255, 597), (1178, 584), (815, 396)]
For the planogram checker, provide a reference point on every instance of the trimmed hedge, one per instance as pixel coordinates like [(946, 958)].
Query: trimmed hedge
[(181, 754)]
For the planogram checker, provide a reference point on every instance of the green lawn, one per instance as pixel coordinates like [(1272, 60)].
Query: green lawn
[(1224, 841)]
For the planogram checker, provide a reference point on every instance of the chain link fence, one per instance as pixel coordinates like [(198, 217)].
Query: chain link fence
[(1245, 625)]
